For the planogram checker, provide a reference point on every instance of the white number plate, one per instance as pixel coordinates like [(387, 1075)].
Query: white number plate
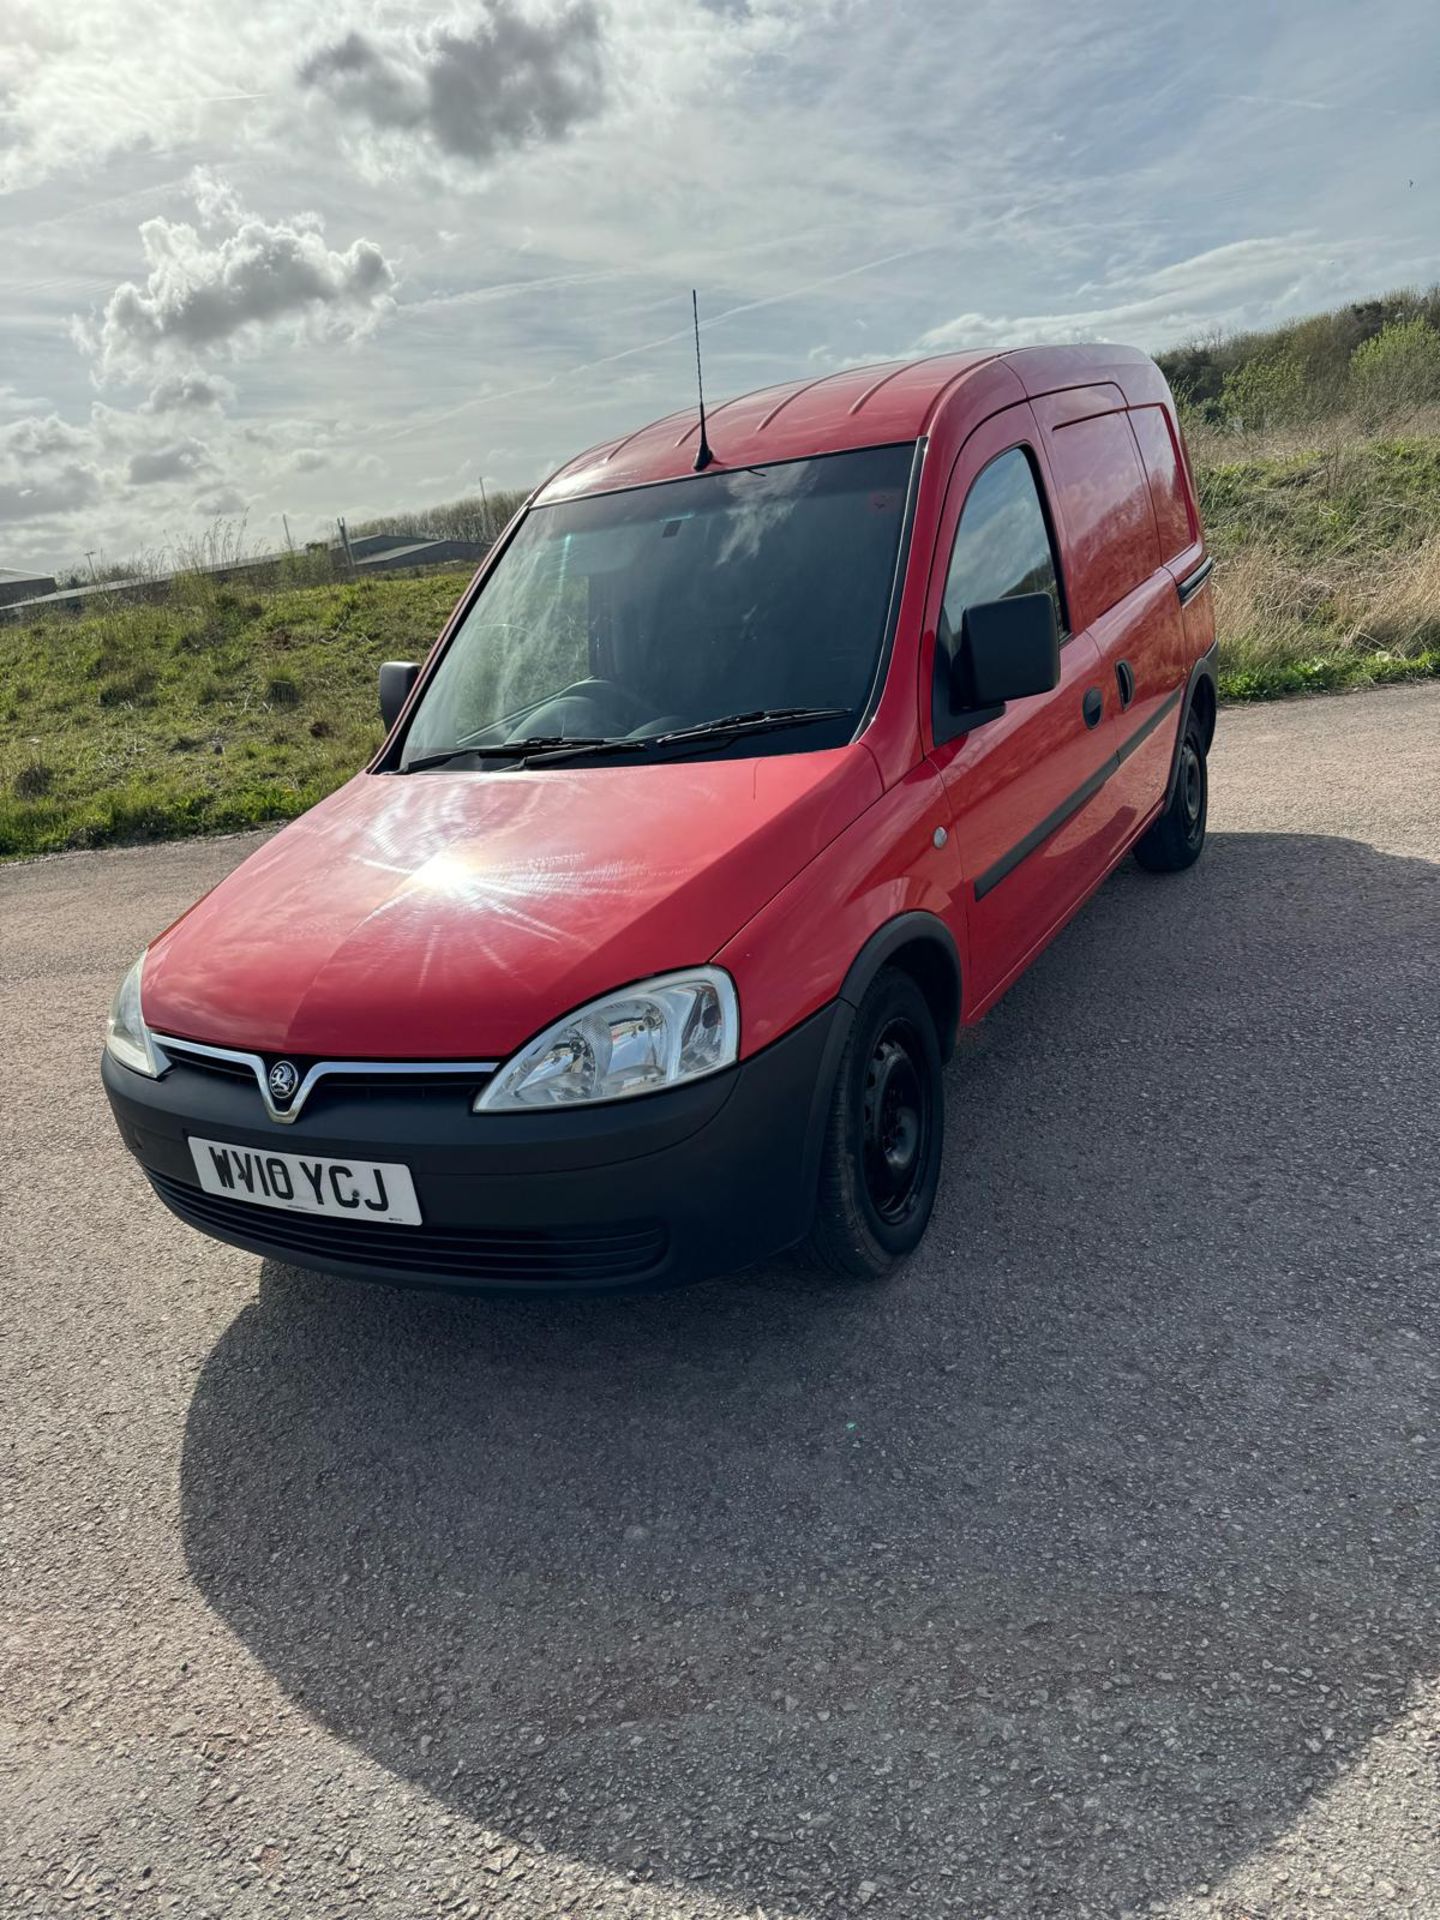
[(300, 1183)]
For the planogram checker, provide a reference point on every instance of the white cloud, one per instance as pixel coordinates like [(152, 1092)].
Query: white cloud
[(1242, 282), (179, 460), (223, 504), (509, 79), (127, 480), (46, 467), (92, 79), (189, 393), (224, 292)]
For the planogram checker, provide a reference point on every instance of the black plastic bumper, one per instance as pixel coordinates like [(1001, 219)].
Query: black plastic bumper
[(642, 1193)]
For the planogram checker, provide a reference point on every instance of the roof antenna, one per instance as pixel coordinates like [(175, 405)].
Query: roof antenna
[(703, 455)]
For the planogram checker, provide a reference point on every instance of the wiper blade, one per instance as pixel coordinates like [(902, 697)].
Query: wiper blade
[(760, 721), (730, 727), (504, 749)]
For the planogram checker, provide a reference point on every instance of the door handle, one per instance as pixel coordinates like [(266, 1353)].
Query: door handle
[(1092, 706), (1125, 679)]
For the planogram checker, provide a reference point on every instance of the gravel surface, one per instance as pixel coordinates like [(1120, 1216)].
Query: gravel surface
[(1089, 1569)]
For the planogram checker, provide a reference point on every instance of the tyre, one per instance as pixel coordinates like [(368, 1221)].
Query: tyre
[(1178, 837), (880, 1160)]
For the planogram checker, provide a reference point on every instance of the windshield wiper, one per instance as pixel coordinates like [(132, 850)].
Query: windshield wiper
[(730, 727), (505, 749), (759, 721)]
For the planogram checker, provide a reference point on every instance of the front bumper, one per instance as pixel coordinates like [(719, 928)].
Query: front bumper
[(642, 1193)]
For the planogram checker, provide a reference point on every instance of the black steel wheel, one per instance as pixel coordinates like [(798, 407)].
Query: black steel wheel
[(898, 1116), (880, 1165), (1177, 838)]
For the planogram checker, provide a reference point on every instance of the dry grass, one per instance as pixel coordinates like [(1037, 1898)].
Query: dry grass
[(1269, 609), (1328, 550)]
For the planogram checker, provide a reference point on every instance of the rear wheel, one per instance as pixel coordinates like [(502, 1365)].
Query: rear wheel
[(1178, 837), (880, 1163)]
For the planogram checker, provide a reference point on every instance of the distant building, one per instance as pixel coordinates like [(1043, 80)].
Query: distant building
[(362, 545), (23, 586), (371, 556)]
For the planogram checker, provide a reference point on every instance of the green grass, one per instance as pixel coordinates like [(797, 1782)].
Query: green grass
[(1327, 560), (209, 712), (227, 707), (1336, 672)]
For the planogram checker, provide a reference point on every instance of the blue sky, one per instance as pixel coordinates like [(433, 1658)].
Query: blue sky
[(340, 258)]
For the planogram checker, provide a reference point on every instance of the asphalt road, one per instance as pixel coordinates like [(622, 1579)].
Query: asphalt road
[(1089, 1569)]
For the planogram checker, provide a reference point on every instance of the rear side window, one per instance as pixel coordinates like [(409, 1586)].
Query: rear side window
[(1002, 547), (1168, 493), (1105, 507)]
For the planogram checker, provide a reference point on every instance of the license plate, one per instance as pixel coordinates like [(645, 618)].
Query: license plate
[(301, 1183)]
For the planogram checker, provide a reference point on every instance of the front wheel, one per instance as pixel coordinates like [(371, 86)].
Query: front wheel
[(1178, 837), (880, 1163)]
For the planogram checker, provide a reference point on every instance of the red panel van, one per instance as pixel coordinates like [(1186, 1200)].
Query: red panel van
[(724, 798)]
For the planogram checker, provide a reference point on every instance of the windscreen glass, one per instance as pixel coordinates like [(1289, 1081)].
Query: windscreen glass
[(637, 613)]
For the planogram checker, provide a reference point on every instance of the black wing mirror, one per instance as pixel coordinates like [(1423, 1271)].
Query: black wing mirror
[(397, 677), (1008, 649)]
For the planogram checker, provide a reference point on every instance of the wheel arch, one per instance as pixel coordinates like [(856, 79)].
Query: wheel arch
[(918, 943), (921, 945), (1201, 699)]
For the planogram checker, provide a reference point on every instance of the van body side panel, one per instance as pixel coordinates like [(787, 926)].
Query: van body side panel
[(1106, 497), (792, 957), (1145, 634)]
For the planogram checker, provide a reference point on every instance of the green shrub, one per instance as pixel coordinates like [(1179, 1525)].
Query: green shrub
[(1265, 393), (1396, 373)]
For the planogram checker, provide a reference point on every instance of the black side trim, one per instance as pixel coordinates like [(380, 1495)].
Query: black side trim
[(1143, 733), (1008, 862), (1194, 581), (1052, 822)]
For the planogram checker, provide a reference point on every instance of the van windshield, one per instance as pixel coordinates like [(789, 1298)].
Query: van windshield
[(758, 595)]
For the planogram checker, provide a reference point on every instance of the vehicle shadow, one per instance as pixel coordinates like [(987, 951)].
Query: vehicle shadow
[(1060, 1574)]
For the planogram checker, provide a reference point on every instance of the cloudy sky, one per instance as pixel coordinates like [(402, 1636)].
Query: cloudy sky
[(285, 256)]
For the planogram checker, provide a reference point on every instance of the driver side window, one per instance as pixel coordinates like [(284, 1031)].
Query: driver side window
[(1002, 547)]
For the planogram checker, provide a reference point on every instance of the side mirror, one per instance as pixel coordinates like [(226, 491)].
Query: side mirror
[(1008, 649), (397, 677)]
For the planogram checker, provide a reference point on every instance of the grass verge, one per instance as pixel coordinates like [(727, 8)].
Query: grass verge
[(1327, 560), (210, 711)]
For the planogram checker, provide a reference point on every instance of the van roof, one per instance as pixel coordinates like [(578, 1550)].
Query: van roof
[(871, 406)]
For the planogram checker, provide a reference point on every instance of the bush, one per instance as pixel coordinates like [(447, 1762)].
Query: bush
[(1265, 393), (1322, 346), (1396, 372)]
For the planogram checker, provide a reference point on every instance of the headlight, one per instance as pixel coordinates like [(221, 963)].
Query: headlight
[(677, 1027), (127, 1038)]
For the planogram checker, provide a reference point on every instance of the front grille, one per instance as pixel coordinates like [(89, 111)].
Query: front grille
[(337, 1082), (517, 1254), (222, 1069)]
